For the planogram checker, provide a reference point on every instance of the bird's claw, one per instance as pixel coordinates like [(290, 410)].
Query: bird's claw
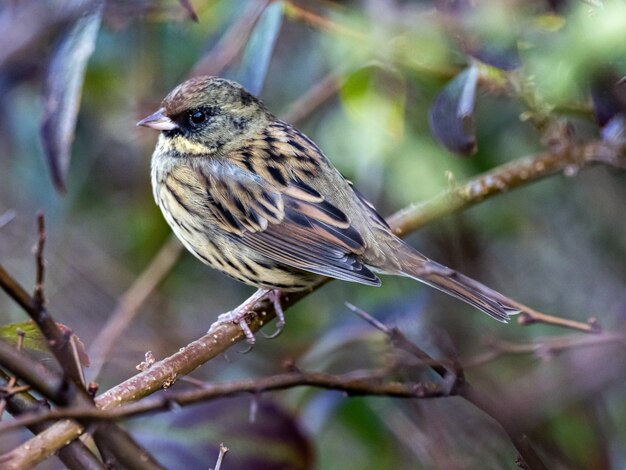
[(238, 316), (274, 297)]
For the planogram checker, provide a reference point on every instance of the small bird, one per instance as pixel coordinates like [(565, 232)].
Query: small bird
[(255, 198)]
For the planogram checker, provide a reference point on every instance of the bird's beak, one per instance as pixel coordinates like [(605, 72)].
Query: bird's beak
[(158, 121)]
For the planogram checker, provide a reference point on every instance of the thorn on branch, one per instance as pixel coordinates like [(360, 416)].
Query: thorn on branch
[(149, 359), (92, 389)]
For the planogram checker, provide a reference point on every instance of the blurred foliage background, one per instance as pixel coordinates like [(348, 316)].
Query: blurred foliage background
[(361, 78)]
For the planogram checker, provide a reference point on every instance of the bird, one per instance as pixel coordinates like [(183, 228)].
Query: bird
[(253, 197)]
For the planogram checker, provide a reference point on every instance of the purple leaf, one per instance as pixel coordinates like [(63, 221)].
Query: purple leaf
[(62, 91), (452, 114)]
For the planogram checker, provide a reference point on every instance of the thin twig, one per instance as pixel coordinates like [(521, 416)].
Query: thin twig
[(368, 383), (75, 456), (400, 341), (231, 43), (38, 295), (326, 24), (544, 347), (317, 95), (220, 457), (69, 389), (130, 303), (6, 218)]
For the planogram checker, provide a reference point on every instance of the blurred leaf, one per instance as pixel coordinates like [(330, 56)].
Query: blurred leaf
[(258, 52), (478, 37), (190, 438), (609, 96), (34, 340), (452, 114), (188, 6), (501, 56), (62, 92)]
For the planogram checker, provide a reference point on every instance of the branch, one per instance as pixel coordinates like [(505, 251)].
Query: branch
[(542, 348), (518, 173), (38, 295), (459, 386), (67, 389), (221, 337), (75, 456), (370, 383), (128, 305)]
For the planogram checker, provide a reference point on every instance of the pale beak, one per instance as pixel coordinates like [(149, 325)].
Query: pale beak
[(158, 121)]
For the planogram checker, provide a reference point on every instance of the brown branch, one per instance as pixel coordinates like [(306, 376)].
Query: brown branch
[(58, 390), (68, 389), (504, 178), (221, 337), (57, 341), (370, 383), (459, 386), (38, 295), (317, 95), (542, 348), (75, 456), (129, 303)]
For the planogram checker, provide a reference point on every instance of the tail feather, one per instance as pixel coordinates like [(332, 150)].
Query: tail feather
[(457, 285)]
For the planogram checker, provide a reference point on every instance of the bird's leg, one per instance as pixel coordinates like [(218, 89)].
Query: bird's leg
[(238, 315), (274, 296)]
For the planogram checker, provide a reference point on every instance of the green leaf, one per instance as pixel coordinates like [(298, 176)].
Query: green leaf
[(35, 341)]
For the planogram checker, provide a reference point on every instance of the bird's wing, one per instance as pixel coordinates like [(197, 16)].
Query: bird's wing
[(266, 205)]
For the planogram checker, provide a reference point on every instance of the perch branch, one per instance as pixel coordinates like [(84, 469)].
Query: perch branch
[(370, 383)]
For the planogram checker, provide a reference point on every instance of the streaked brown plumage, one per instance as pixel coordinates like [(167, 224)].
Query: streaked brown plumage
[(253, 197)]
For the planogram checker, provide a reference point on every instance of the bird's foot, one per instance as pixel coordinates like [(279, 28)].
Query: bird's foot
[(239, 314)]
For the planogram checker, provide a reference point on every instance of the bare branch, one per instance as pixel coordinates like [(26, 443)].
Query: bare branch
[(220, 457), (369, 383), (38, 295), (542, 348)]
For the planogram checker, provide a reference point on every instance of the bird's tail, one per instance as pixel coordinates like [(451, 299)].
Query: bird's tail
[(420, 268)]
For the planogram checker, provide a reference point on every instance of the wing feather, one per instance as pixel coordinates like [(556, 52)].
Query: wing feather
[(274, 211)]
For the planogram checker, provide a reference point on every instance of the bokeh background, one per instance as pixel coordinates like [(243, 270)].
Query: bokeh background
[(360, 78)]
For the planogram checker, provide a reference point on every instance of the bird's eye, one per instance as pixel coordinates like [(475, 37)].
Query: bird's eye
[(197, 117)]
